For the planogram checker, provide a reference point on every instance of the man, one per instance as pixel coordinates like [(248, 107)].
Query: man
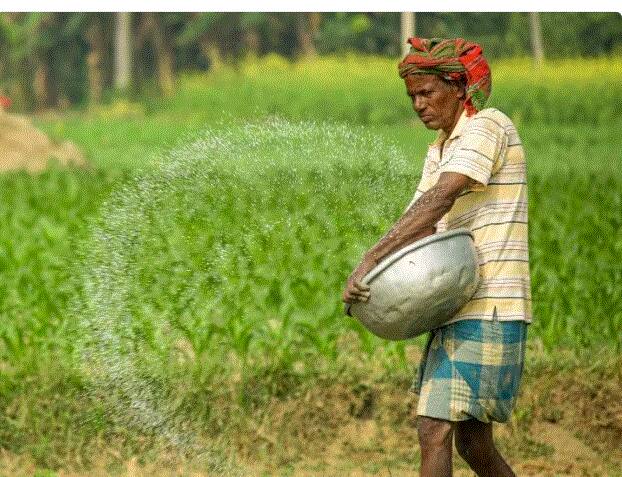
[(474, 177)]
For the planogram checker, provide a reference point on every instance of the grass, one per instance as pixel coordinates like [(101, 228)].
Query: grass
[(368, 90), (237, 328)]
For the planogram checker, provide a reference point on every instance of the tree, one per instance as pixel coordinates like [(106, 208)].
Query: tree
[(407, 30), (95, 26), (204, 29), (123, 50), (536, 37), (251, 23), (307, 26), (29, 42), (164, 51)]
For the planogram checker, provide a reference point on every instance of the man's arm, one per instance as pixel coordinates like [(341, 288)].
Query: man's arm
[(418, 221), (421, 218)]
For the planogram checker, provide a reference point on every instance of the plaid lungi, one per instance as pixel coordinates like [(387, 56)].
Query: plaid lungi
[(471, 369)]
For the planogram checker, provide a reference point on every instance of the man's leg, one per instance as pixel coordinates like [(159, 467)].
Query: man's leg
[(475, 445), (435, 440)]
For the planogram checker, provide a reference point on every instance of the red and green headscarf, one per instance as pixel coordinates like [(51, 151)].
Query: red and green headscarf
[(455, 59)]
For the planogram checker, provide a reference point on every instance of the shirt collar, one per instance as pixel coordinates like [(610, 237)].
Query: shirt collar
[(442, 135)]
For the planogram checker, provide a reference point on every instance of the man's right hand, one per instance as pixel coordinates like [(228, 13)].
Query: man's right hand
[(355, 291)]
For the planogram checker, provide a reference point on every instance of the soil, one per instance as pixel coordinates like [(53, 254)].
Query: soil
[(23, 146), (563, 439), (567, 422)]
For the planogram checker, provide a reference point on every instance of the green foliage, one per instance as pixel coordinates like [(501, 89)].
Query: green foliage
[(37, 271), (573, 259), (234, 275), (368, 90), (197, 26), (367, 33), (584, 34), (200, 41), (502, 35), (48, 50)]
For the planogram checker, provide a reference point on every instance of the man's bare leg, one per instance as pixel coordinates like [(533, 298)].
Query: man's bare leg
[(435, 440), (475, 445)]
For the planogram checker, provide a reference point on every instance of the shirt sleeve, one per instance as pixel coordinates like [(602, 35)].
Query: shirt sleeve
[(480, 151)]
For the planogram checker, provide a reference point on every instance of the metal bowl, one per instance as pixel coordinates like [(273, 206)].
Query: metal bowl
[(419, 287)]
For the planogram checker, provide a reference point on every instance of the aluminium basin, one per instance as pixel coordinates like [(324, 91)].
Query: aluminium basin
[(420, 287)]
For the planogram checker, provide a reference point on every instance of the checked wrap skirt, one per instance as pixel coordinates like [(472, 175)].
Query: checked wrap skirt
[(471, 369)]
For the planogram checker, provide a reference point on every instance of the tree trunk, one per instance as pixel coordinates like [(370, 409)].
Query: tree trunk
[(252, 42), (123, 50), (305, 24), (41, 84), (536, 37), (315, 21), (45, 85), (140, 38), (94, 61), (165, 62), (211, 52), (407, 30)]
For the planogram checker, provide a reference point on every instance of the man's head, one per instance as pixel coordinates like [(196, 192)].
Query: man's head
[(438, 102), (453, 73)]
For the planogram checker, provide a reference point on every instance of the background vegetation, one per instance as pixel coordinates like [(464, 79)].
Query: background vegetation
[(63, 59), (221, 328)]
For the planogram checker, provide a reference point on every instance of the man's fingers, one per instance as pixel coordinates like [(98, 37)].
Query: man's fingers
[(356, 292), (360, 293), (355, 299), (361, 286), (353, 295)]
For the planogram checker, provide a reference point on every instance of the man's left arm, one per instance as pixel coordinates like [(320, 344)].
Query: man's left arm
[(418, 221)]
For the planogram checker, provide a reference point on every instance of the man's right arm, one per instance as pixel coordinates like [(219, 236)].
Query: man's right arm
[(420, 219)]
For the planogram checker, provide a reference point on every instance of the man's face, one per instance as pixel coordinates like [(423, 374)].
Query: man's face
[(435, 102)]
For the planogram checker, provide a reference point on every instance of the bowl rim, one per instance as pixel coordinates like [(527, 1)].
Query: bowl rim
[(394, 257)]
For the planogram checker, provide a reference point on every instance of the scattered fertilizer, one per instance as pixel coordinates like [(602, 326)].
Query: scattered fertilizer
[(182, 276)]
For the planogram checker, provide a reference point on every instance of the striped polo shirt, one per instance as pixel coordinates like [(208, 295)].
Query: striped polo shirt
[(487, 148)]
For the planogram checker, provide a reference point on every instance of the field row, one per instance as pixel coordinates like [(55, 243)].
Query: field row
[(368, 90), (259, 227)]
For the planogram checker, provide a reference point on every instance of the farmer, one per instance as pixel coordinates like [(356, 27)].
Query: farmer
[(474, 177)]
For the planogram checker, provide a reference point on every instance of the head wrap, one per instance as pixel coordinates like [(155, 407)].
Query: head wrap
[(5, 102), (454, 59)]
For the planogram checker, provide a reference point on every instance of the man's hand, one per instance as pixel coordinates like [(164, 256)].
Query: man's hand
[(355, 290), (417, 222)]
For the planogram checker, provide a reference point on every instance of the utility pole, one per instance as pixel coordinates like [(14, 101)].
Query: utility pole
[(536, 37), (407, 30), (122, 50)]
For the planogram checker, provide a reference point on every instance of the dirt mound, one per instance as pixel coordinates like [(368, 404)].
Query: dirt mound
[(23, 146)]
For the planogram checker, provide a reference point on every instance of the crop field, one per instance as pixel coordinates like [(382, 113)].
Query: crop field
[(183, 293)]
